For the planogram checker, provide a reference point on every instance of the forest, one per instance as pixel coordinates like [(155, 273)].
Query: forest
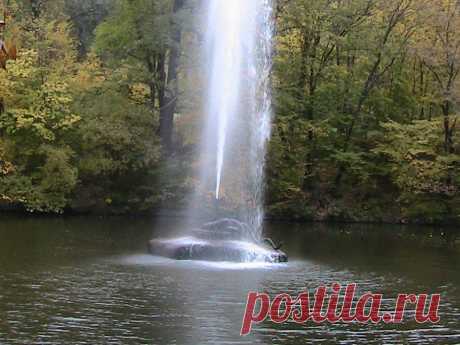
[(101, 100)]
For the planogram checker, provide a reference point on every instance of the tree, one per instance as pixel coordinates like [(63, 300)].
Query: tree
[(344, 70), (392, 15), (86, 15), (72, 134), (38, 115), (147, 35), (439, 51), (421, 168), (117, 152)]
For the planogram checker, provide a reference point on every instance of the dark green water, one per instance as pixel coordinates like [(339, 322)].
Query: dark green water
[(89, 281)]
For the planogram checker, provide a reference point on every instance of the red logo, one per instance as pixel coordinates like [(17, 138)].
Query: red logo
[(330, 306)]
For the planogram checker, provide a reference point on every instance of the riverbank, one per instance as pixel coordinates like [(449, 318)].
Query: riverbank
[(333, 215)]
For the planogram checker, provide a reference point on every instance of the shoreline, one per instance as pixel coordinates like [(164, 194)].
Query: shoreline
[(20, 212)]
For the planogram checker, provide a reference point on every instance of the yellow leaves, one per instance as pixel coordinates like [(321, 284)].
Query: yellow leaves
[(58, 33), (44, 132), (6, 167), (25, 118), (290, 41), (39, 98), (34, 100), (419, 164), (24, 66), (55, 94), (90, 74), (70, 121), (139, 93), (13, 86), (5, 86), (12, 80)]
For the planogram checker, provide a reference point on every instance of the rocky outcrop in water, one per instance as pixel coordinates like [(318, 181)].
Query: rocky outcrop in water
[(222, 240)]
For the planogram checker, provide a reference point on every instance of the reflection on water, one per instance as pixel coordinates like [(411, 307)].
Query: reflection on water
[(149, 260), (89, 281)]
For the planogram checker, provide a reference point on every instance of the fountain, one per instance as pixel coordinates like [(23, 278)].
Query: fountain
[(222, 240), (236, 130)]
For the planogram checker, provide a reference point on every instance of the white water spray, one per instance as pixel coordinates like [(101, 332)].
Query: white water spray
[(238, 59)]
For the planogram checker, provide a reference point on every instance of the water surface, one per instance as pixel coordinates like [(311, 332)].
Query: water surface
[(90, 281)]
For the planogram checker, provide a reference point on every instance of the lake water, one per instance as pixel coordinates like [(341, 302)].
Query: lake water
[(90, 281)]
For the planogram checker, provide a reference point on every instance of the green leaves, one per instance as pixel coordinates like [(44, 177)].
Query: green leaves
[(37, 120), (419, 165), (358, 109), (73, 129), (365, 108)]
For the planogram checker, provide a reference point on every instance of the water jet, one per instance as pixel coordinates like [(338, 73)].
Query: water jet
[(237, 127)]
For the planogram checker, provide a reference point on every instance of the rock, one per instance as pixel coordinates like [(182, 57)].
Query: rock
[(191, 248), (230, 229), (222, 240)]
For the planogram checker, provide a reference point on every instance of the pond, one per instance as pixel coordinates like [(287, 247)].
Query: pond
[(90, 281)]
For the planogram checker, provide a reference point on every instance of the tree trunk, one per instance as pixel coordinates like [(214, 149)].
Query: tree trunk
[(169, 100), (448, 128)]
